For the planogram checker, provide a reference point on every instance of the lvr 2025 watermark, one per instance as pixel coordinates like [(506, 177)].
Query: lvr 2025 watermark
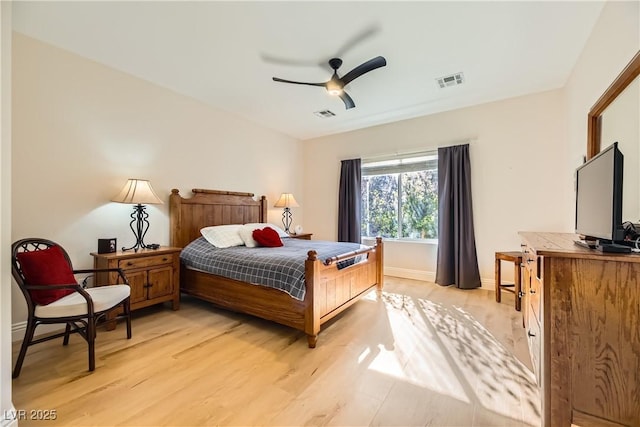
[(30, 414)]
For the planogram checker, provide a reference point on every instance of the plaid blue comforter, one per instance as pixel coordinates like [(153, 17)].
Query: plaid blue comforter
[(281, 268)]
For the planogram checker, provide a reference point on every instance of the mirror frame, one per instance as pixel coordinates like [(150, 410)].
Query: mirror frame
[(594, 124)]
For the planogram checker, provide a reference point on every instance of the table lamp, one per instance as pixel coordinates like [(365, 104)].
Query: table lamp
[(137, 192), (286, 201)]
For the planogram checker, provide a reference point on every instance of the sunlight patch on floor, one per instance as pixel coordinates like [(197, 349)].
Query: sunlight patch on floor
[(497, 379), (416, 357)]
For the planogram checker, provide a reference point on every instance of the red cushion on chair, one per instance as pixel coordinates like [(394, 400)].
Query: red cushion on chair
[(46, 267), (267, 237)]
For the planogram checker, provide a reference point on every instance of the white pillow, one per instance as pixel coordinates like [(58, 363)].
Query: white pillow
[(246, 232), (223, 236), (262, 225)]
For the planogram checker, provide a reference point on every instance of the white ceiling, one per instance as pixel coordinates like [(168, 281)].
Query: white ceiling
[(225, 53)]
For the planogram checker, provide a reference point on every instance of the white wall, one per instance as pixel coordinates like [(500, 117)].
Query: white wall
[(6, 406), (80, 129), (614, 41), (516, 144)]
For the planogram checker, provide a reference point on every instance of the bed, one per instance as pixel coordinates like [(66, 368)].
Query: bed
[(329, 290)]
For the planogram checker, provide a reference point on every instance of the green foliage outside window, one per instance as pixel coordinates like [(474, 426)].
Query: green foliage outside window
[(381, 205), (401, 205), (420, 204)]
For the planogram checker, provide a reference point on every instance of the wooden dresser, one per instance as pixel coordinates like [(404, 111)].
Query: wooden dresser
[(582, 317)]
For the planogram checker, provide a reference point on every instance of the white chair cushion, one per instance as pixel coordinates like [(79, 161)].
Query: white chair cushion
[(104, 298)]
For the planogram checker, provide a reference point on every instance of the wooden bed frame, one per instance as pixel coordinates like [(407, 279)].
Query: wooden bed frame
[(329, 291)]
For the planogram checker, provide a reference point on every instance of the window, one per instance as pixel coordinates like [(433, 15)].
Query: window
[(400, 197)]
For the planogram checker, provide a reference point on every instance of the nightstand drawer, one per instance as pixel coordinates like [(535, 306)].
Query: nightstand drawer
[(143, 262)]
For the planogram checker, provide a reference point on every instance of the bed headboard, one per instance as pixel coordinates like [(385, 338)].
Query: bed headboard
[(211, 207)]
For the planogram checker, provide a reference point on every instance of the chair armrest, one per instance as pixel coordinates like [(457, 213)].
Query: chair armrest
[(75, 287), (96, 270), (104, 270)]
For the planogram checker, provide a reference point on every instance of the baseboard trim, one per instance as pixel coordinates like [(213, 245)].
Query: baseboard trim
[(429, 276), (18, 329), (405, 273), (488, 284)]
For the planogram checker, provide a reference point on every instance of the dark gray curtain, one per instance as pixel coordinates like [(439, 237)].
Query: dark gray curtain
[(457, 258), (349, 201)]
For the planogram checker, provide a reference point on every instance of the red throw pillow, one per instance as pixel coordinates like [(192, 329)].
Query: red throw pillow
[(46, 267), (267, 237)]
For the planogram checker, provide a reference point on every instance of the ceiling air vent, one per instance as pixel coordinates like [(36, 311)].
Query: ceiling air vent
[(324, 113), (452, 80)]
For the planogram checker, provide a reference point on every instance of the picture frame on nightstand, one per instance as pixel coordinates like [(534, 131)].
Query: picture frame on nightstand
[(107, 246)]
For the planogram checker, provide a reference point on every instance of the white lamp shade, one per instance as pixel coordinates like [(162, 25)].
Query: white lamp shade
[(139, 192), (286, 200)]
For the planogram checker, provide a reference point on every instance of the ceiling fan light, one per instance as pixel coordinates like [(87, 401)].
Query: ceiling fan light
[(334, 88)]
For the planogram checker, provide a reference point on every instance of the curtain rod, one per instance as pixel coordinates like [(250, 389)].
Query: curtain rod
[(390, 156), (418, 152)]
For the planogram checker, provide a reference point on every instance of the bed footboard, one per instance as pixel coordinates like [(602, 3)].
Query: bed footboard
[(331, 290)]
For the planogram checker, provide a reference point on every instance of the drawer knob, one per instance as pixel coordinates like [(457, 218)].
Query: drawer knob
[(521, 294), (533, 291), (129, 263), (165, 259), (531, 334)]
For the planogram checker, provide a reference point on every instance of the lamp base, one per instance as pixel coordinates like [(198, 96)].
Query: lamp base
[(135, 247), (286, 219), (139, 217)]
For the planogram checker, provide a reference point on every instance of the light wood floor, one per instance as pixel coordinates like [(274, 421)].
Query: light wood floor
[(422, 356)]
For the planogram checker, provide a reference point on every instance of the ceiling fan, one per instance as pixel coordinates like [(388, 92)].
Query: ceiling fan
[(335, 86)]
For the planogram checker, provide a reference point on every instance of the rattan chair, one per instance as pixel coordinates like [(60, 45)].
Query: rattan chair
[(79, 308)]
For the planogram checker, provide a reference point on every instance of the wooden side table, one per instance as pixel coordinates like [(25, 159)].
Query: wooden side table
[(153, 274), (304, 236), (516, 259)]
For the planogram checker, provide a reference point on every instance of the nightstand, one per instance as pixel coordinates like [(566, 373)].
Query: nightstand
[(153, 274), (304, 236)]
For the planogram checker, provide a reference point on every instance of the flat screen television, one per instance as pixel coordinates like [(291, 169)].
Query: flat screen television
[(599, 196)]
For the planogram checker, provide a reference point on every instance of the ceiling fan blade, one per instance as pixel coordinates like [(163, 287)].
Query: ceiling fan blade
[(358, 38), (276, 79), (363, 68), (280, 60), (348, 102)]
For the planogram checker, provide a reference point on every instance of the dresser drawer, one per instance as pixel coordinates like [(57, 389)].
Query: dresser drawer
[(144, 262), (528, 258), (533, 336), (534, 297)]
